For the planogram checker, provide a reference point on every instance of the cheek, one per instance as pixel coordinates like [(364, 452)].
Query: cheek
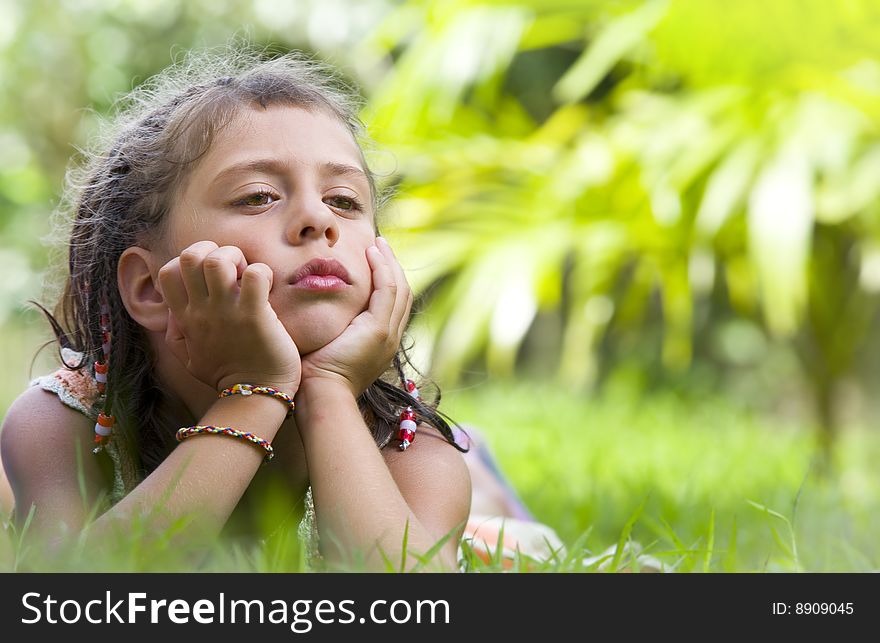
[(362, 274), (185, 224), (365, 239), (364, 271)]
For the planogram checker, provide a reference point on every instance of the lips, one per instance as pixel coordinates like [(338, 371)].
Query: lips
[(321, 267)]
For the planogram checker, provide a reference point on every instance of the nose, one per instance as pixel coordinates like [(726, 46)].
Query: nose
[(312, 219)]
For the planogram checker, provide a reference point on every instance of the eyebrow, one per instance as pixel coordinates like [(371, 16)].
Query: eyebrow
[(278, 167)]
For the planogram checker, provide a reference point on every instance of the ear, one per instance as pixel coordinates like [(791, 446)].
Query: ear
[(138, 282)]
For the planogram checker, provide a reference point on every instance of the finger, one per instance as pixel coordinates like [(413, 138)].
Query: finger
[(192, 270), (171, 284), (223, 268), (256, 282), (384, 288), (401, 328), (175, 340), (404, 292)]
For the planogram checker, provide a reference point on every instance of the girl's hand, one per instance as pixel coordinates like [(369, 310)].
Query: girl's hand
[(366, 347), (220, 323)]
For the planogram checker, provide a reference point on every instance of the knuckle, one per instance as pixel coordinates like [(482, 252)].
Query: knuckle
[(253, 271), (198, 251), (262, 269), (214, 262), (233, 251), (190, 258), (169, 269)]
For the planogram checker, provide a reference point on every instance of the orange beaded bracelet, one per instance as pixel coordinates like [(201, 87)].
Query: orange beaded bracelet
[(188, 431), (250, 389)]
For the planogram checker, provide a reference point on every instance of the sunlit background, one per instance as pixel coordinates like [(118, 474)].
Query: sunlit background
[(647, 236)]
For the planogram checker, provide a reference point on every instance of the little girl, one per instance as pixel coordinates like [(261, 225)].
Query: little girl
[(230, 302)]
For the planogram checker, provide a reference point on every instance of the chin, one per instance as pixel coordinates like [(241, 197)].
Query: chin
[(314, 333), (312, 324), (310, 343)]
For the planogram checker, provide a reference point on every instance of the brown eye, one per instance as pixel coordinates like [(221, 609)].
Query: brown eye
[(257, 199), (342, 202)]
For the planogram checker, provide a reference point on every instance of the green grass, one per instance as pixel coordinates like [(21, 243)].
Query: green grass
[(714, 488), (699, 482)]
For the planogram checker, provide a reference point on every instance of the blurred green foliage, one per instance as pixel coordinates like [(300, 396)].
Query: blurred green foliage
[(659, 166), (582, 187)]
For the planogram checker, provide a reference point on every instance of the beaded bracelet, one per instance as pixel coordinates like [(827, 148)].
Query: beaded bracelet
[(250, 389), (188, 431)]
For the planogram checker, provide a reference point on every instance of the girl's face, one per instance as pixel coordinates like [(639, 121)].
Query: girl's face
[(286, 186)]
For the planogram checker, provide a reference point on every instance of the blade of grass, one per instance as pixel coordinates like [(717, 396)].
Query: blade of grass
[(625, 534), (435, 548), (710, 543), (403, 547), (574, 554), (730, 556), (20, 549), (389, 566), (682, 548), (497, 557), (467, 556), (791, 550)]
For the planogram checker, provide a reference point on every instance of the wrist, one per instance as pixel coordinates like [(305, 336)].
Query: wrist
[(325, 384), (322, 399), (256, 413)]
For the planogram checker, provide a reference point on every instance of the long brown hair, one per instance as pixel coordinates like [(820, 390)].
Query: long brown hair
[(120, 197)]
